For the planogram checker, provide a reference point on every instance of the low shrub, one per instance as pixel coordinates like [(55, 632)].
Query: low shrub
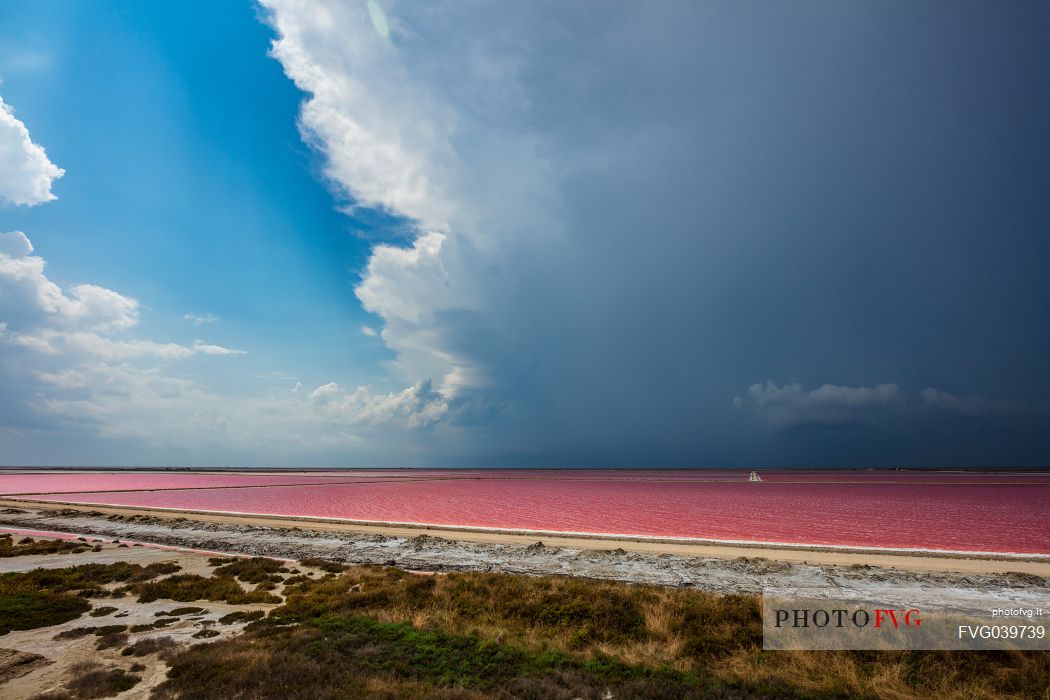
[(152, 645), (93, 681), (75, 633), (109, 629), (219, 561), (241, 616), (112, 640), (30, 546), (27, 610), (186, 588), (253, 570), (176, 612), (86, 578), (328, 565)]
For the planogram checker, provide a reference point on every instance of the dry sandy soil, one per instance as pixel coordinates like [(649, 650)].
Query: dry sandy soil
[(35, 661)]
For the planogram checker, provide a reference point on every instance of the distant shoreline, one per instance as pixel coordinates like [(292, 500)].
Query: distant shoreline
[(22, 469)]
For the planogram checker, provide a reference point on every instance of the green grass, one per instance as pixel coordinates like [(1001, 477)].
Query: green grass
[(337, 657)]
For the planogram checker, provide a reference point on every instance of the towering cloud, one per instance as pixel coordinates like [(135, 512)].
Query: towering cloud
[(624, 216)]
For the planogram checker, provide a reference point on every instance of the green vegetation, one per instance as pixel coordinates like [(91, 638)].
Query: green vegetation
[(241, 616), (253, 570), (186, 588), (382, 632), (86, 577), (332, 567), (44, 597), (355, 657), (27, 545), (26, 610), (219, 561)]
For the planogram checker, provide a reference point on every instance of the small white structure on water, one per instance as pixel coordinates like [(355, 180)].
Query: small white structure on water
[(754, 477)]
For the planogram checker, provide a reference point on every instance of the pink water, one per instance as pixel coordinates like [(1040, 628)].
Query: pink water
[(79, 482), (981, 512)]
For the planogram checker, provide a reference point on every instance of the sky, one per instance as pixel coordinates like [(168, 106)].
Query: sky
[(385, 233)]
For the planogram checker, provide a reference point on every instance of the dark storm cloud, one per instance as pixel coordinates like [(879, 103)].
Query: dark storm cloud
[(647, 209)]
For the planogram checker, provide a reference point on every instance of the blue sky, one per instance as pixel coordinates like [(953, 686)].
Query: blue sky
[(540, 235), (186, 180)]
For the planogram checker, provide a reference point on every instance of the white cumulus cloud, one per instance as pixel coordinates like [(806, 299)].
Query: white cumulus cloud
[(417, 406), (73, 359), (15, 244), (200, 319), (26, 173)]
